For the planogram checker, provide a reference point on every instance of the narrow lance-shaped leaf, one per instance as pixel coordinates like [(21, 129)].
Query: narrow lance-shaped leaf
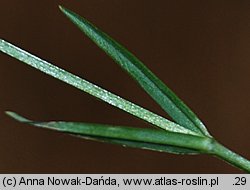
[(125, 143), (147, 80), (92, 89), (150, 138)]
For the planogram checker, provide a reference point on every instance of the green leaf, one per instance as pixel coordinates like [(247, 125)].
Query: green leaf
[(146, 79), (125, 143), (136, 137), (143, 145), (92, 89)]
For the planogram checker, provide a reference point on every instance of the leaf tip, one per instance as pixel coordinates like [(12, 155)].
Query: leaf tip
[(2, 42), (61, 8), (15, 116)]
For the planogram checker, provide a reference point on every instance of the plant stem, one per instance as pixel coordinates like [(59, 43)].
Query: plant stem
[(231, 157)]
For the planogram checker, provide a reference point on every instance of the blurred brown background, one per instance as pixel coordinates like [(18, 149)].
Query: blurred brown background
[(200, 49)]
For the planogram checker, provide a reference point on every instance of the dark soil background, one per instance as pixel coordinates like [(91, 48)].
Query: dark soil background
[(201, 49)]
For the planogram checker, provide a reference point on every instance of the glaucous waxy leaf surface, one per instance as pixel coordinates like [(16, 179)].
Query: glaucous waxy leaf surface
[(92, 89)]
